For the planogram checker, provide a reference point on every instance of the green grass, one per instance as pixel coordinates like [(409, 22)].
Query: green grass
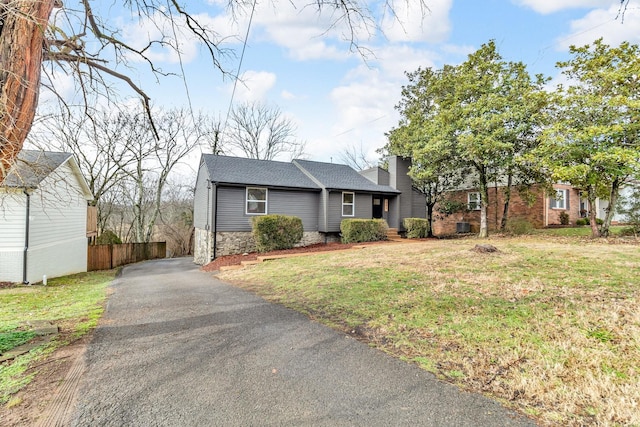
[(581, 231), (9, 340), (550, 325), (75, 303)]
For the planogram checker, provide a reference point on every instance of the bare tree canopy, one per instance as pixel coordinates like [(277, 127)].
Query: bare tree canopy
[(260, 131), (78, 38), (126, 168), (356, 157)]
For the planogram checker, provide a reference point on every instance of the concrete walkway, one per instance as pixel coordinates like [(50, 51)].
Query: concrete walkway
[(179, 348)]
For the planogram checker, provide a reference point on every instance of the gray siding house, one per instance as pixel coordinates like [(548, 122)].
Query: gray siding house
[(231, 190)]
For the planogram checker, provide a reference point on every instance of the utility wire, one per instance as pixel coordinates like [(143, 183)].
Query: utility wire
[(237, 76)]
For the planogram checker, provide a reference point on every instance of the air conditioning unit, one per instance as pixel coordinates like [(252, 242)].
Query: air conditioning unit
[(463, 227)]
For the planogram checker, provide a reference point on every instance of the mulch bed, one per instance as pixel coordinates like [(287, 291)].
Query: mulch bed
[(7, 285), (320, 247)]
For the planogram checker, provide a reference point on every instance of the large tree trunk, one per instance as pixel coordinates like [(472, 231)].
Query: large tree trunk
[(484, 203), (507, 201), (21, 50), (591, 196), (613, 200), (430, 218)]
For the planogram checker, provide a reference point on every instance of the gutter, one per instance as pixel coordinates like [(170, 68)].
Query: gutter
[(26, 237), (215, 220)]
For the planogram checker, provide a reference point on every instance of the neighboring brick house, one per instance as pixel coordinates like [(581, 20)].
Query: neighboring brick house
[(542, 210)]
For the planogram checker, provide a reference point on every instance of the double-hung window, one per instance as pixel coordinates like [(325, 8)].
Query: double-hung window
[(348, 204), (256, 201), (473, 201), (561, 200)]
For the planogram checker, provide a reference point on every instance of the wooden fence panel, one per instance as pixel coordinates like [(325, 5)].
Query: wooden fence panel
[(104, 257), (99, 257)]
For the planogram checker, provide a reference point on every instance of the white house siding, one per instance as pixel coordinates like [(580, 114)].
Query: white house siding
[(12, 219), (57, 224)]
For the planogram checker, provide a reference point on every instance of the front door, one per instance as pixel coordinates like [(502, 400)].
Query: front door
[(377, 206)]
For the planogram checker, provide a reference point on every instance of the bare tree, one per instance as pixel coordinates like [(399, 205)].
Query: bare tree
[(355, 157), (75, 38), (260, 131), (176, 218), (127, 168), (153, 161)]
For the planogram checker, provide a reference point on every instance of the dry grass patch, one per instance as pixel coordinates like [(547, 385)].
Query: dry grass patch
[(552, 328)]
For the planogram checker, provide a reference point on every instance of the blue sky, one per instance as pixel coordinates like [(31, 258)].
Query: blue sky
[(336, 98)]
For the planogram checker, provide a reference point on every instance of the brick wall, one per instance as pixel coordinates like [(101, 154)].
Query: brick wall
[(533, 210)]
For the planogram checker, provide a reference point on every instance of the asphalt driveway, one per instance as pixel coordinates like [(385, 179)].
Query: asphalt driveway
[(179, 348)]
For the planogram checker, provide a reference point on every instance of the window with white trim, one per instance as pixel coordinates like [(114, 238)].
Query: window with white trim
[(256, 203), (473, 201), (348, 204), (561, 200)]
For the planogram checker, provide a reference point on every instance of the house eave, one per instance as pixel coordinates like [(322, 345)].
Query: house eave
[(271, 186)]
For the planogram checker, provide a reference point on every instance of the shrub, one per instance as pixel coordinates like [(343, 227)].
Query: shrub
[(108, 237), (564, 218), (416, 227), (585, 221), (363, 230), (272, 232), (518, 227)]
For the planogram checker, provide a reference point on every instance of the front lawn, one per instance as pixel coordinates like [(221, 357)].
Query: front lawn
[(549, 327), (75, 303), (579, 231)]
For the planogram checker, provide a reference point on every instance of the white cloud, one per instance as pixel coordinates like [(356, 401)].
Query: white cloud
[(363, 111), (603, 23), (288, 96), (460, 50), (254, 86), (396, 60), (409, 24), (303, 31), (550, 6)]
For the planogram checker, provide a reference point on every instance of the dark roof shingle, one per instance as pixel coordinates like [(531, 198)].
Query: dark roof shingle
[(242, 171), (342, 177), (32, 166)]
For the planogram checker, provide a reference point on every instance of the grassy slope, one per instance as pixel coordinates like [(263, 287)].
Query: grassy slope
[(75, 303), (550, 326)]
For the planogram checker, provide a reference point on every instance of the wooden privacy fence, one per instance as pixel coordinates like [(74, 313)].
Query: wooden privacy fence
[(105, 257)]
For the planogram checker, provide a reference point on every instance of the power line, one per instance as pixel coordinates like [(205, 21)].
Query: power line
[(237, 76)]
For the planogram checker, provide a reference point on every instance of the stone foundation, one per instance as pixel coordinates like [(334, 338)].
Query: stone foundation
[(234, 242), (203, 246), (238, 242), (311, 238), (230, 243)]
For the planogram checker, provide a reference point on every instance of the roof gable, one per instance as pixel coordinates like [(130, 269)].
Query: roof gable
[(341, 177), (32, 166), (243, 171)]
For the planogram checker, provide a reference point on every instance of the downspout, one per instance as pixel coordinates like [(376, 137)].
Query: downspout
[(215, 220), (26, 238), (207, 225)]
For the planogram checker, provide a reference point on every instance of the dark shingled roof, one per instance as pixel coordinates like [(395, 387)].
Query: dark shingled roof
[(237, 170), (32, 166), (342, 177)]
